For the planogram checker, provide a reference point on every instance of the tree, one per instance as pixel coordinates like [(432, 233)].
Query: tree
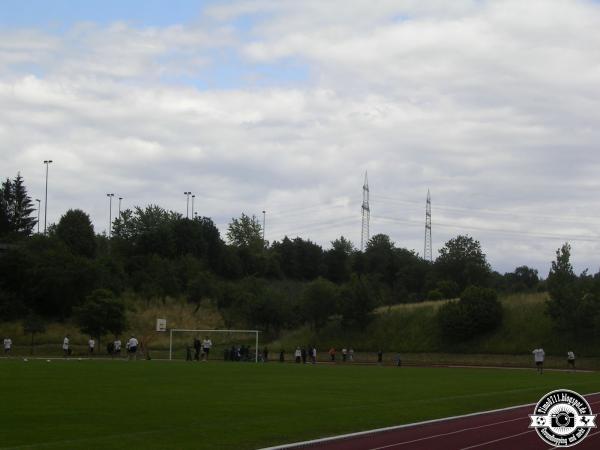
[(16, 208), (319, 301), (461, 260), (33, 324), (477, 312), (379, 258), (5, 202), (101, 313), (337, 261), (75, 229), (522, 279), (23, 207), (564, 290), (356, 303), (245, 232)]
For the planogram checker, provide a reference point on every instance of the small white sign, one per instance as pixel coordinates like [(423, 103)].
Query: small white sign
[(161, 324)]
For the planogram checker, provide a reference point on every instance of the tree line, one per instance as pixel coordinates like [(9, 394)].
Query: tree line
[(157, 253)]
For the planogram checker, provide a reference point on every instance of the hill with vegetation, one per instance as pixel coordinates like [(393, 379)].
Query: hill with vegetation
[(293, 290)]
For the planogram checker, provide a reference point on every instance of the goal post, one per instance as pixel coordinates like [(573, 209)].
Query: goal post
[(182, 330)]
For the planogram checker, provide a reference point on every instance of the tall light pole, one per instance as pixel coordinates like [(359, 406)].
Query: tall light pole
[(193, 198), (263, 230), (120, 198), (39, 206), (187, 209), (110, 197), (47, 162)]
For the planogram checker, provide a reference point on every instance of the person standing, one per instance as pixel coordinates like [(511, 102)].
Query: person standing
[(132, 345), (265, 354), (65, 346), (380, 357), (332, 354), (117, 346), (91, 345), (313, 355), (351, 355), (303, 355), (571, 359), (206, 346), (298, 355), (538, 356), (281, 355), (197, 348), (344, 354), (7, 345)]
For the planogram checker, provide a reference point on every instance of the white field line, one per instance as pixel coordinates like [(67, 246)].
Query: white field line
[(399, 427)]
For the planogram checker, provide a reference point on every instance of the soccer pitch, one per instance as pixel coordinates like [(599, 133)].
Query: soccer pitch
[(176, 405)]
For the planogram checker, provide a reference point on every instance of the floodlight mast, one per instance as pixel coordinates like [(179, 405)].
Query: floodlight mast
[(212, 331)]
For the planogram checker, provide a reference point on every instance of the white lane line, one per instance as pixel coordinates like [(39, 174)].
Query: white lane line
[(397, 427), (447, 434), (588, 437), (498, 440), (457, 431)]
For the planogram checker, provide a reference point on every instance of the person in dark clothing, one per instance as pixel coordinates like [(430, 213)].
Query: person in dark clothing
[(379, 357), (197, 348), (188, 353), (265, 354), (281, 355), (303, 354)]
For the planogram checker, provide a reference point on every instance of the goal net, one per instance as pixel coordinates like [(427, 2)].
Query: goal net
[(228, 345)]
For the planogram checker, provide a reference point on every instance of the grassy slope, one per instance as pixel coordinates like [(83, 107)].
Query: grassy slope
[(157, 405), (412, 328)]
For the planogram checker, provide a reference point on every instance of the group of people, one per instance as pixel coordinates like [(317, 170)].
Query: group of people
[(539, 355), (201, 349), (347, 354), (301, 355), (113, 348)]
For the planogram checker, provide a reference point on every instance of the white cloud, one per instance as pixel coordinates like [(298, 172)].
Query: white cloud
[(491, 105)]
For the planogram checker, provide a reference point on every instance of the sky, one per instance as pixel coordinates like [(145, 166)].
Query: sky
[(283, 106)]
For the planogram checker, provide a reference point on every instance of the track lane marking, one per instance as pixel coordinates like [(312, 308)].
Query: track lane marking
[(447, 434), (359, 434), (498, 440), (459, 431)]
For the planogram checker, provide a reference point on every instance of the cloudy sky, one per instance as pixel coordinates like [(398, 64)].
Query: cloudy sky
[(283, 105)]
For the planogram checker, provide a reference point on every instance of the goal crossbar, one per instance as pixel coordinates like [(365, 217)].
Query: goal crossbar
[(211, 331)]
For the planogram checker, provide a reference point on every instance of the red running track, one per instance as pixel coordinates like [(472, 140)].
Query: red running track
[(498, 430)]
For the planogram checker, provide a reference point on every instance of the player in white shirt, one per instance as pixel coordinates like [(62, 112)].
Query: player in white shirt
[(298, 354), (571, 359), (91, 345), (132, 345), (538, 356), (7, 345), (117, 346), (65, 345), (206, 346)]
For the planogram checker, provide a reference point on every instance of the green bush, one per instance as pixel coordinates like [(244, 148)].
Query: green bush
[(435, 294), (477, 312)]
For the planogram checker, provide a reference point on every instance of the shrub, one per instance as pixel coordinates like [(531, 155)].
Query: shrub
[(435, 294), (478, 311)]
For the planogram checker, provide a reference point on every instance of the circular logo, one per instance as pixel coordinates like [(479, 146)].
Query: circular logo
[(562, 418)]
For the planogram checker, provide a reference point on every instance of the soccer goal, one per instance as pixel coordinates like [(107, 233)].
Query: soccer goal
[(223, 338)]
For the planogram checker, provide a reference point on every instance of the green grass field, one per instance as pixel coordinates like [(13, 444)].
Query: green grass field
[(177, 405)]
